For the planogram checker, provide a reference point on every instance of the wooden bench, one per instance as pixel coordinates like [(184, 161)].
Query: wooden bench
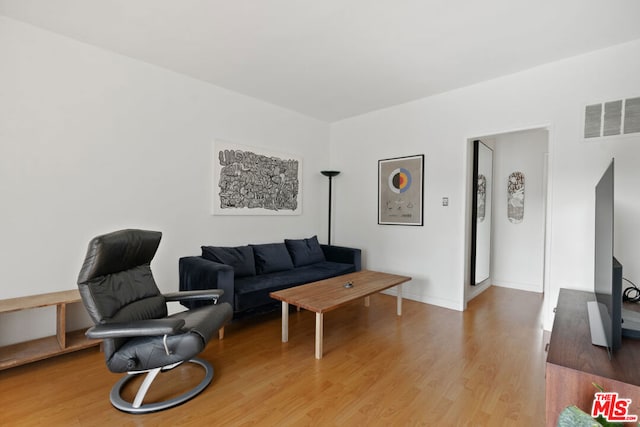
[(62, 342)]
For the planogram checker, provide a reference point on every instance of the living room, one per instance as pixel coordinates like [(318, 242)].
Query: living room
[(95, 140)]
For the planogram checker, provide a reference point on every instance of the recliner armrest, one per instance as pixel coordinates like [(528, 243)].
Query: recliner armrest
[(140, 328), (204, 295)]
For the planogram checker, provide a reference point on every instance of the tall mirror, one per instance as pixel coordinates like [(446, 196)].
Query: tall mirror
[(481, 212)]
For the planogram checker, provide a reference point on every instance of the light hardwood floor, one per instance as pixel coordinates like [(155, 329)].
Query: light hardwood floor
[(432, 366)]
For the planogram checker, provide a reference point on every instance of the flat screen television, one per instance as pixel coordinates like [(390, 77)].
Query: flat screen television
[(608, 320)]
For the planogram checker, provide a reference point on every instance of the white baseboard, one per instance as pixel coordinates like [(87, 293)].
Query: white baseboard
[(440, 302), (530, 287), (478, 289)]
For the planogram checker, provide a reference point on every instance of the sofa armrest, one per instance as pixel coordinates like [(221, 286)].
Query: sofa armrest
[(344, 255), (197, 273)]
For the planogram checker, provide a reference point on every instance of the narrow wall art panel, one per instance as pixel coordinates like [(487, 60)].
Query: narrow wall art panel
[(254, 181), (482, 197), (515, 197), (400, 190)]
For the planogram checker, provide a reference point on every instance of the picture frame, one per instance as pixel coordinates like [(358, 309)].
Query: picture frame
[(255, 181), (401, 191)]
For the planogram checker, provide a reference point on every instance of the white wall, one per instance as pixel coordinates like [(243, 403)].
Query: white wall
[(518, 249), (93, 142), (550, 96)]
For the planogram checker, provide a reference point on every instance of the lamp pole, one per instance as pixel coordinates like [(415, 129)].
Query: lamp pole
[(330, 174)]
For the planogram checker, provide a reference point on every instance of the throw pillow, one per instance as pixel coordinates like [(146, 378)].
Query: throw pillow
[(271, 258), (305, 251), (240, 258)]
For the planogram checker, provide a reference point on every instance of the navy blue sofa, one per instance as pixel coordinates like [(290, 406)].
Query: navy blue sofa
[(247, 274)]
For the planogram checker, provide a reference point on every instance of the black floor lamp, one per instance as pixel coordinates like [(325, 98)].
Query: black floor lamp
[(330, 174)]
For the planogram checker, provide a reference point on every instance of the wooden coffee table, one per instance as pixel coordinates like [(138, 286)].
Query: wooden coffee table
[(329, 294)]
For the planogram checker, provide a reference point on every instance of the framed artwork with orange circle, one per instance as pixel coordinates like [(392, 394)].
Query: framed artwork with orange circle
[(401, 190)]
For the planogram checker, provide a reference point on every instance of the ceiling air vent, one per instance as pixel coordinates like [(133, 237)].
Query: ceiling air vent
[(612, 118)]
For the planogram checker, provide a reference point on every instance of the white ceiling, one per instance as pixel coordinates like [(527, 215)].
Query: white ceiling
[(333, 59)]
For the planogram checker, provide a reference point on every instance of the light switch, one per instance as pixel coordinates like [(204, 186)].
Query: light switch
[(445, 201)]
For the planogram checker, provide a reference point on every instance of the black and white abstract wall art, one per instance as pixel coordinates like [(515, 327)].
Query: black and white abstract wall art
[(515, 197), (254, 181), (482, 196)]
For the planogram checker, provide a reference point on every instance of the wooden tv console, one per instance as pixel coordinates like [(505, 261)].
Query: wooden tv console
[(573, 363), (42, 348)]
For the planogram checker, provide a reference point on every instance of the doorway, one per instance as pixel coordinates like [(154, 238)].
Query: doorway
[(518, 224)]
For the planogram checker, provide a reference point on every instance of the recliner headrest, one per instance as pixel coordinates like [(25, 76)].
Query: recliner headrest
[(118, 251)]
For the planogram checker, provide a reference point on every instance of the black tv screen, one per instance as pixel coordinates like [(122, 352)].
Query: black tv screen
[(607, 279)]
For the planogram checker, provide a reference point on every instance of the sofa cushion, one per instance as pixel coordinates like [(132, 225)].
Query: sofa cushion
[(241, 258), (305, 251), (271, 258), (251, 292)]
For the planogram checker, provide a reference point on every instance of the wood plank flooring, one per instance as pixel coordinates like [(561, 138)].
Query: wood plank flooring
[(432, 366)]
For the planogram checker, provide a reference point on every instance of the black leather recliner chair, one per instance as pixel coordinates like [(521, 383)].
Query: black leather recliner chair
[(130, 316)]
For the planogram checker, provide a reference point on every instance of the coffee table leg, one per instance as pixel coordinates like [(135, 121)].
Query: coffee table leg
[(319, 321), (285, 321), (399, 292), (367, 301)]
